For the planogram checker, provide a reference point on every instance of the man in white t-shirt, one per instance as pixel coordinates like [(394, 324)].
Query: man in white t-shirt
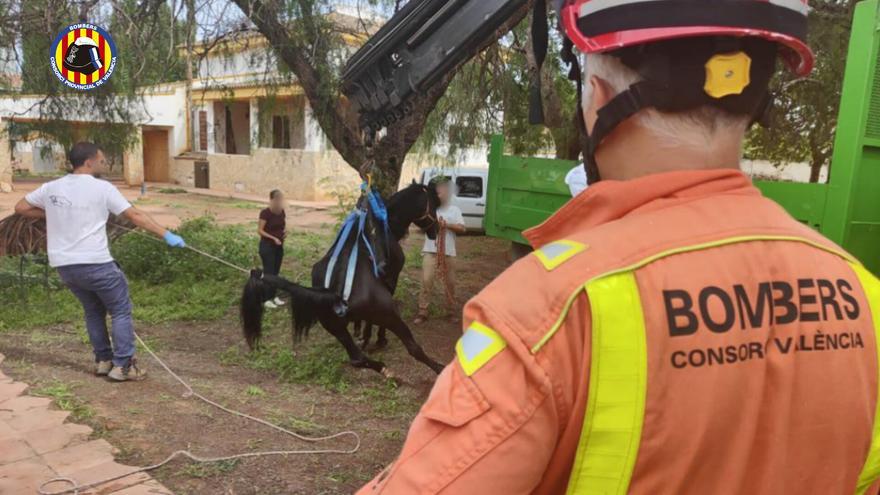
[(76, 208), (451, 218)]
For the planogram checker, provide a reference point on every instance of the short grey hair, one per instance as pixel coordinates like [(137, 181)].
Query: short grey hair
[(696, 128)]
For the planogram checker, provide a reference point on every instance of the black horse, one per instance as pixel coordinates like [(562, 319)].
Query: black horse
[(371, 300)]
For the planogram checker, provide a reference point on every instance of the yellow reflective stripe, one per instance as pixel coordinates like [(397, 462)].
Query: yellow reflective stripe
[(558, 252), (478, 346), (679, 250), (871, 470), (612, 429)]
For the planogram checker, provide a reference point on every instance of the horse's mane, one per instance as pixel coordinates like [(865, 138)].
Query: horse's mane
[(410, 193)]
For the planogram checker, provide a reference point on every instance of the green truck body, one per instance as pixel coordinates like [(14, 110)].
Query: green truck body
[(523, 192)]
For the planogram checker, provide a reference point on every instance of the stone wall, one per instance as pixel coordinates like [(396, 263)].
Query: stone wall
[(133, 163), (302, 175)]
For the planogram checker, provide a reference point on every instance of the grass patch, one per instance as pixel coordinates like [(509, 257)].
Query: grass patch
[(387, 401), (246, 205), (165, 284), (255, 391), (315, 363), (62, 394), (172, 190)]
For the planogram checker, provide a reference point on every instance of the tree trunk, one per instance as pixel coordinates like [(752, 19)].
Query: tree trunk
[(816, 169), (817, 159), (302, 53)]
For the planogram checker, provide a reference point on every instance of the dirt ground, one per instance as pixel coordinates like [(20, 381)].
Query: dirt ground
[(149, 420)]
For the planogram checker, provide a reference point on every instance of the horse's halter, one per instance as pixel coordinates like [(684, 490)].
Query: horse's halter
[(427, 216)]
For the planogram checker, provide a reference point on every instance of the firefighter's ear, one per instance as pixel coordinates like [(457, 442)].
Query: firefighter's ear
[(598, 93)]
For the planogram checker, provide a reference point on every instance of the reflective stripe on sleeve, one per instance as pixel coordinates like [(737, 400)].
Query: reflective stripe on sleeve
[(478, 346), (612, 428), (871, 470), (558, 252)]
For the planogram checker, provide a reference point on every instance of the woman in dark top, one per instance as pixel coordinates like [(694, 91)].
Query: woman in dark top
[(272, 232)]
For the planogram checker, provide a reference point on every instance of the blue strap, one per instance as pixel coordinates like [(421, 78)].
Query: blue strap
[(338, 244), (381, 213), (378, 207), (352, 259), (363, 236)]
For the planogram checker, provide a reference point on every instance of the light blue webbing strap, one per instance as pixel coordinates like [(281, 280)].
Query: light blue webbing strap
[(352, 258), (338, 245), (370, 250)]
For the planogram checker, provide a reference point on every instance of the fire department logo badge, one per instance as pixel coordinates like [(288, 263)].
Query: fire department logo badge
[(83, 56)]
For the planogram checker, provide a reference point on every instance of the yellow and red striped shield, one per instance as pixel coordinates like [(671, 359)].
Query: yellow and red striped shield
[(105, 55)]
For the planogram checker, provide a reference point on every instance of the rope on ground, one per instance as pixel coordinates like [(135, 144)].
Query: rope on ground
[(76, 488), (443, 266)]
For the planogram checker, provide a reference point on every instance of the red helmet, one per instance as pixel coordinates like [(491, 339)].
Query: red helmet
[(597, 26)]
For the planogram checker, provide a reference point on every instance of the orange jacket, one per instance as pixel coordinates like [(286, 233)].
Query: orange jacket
[(757, 371)]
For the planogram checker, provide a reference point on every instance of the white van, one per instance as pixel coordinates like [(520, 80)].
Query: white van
[(469, 193)]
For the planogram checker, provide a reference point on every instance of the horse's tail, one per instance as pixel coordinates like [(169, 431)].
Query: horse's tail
[(307, 305), (251, 308)]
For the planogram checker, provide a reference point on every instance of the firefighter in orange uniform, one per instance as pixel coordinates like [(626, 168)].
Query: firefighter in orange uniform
[(673, 332)]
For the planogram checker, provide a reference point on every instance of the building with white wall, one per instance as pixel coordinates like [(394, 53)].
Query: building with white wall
[(251, 130)]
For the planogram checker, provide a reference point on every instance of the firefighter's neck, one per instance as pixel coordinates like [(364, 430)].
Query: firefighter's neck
[(632, 151)]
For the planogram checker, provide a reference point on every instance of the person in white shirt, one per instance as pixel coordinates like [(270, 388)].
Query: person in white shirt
[(576, 179), (451, 218), (76, 208)]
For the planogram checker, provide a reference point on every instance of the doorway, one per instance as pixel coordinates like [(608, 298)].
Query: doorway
[(156, 157)]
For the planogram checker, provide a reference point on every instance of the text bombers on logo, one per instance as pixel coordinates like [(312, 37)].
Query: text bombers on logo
[(829, 308)]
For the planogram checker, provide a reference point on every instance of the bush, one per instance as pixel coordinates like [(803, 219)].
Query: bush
[(146, 259)]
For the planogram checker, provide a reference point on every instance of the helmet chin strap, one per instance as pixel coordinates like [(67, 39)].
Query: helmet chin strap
[(639, 95), (569, 56)]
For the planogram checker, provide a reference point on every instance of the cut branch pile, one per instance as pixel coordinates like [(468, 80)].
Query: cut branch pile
[(21, 235)]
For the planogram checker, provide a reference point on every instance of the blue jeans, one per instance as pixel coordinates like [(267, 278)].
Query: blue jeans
[(103, 289)]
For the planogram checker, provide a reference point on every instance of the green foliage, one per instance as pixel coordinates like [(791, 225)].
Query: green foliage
[(166, 284), (144, 34), (805, 115), (147, 260), (497, 83), (149, 51), (255, 391), (346, 198), (62, 394)]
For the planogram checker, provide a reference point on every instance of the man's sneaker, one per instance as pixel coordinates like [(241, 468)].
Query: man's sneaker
[(270, 305), (278, 301), (128, 373), (102, 368)]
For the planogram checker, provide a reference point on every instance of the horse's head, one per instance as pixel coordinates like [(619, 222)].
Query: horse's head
[(417, 204)]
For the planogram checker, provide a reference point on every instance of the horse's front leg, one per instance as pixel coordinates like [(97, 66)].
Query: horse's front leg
[(393, 321), (339, 329)]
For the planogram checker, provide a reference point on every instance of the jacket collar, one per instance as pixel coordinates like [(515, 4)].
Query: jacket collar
[(607, 201)]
